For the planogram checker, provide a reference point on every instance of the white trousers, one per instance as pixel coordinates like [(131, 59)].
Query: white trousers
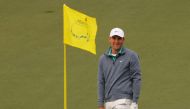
[(119, 104)]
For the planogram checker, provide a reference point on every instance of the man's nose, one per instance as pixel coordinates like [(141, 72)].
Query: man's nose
[(116, 39)]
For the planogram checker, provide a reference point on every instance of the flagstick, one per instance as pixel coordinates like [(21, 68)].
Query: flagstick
[(65, 79)]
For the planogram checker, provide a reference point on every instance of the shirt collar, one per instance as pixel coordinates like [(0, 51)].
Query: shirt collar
[(121, 51)]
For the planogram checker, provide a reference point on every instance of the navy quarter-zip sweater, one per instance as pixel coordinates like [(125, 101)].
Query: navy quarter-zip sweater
[(120, 77)]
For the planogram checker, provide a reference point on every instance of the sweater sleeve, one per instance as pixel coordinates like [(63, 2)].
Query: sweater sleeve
[(101, 84), (136, 76)]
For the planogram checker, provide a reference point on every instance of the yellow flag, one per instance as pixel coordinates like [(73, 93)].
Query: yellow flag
[(79, 30)]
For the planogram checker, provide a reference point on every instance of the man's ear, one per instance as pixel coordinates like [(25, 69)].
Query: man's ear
[(109, 39)]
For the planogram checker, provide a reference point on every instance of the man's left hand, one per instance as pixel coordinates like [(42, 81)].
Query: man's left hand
[(134, 106)]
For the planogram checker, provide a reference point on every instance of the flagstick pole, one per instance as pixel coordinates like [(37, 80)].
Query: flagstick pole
[(65, 79)]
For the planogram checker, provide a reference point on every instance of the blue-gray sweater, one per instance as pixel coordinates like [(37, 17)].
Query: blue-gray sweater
[(119, 78)]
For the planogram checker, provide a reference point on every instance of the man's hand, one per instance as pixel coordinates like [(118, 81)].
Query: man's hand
[(134, 106), (101, 107)]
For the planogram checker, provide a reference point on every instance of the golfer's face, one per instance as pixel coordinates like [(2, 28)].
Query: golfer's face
[(116, 42)]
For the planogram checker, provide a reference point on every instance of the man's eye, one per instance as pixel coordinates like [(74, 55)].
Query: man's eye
[(114, 38), (118, 38)]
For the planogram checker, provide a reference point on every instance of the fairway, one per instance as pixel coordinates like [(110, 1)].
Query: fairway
[(31, 52)]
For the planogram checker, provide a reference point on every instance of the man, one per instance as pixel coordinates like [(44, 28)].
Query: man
[(119, 76)]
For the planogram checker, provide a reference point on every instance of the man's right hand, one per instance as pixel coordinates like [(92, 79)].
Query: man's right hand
[(101, 107)]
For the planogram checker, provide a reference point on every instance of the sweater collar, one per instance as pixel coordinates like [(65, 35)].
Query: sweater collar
[(109, 51)]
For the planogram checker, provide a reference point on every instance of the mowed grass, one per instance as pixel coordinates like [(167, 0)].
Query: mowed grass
[(31, 55), (31, 52)]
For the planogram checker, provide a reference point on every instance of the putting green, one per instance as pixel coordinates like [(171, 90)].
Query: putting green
[(31, 52)]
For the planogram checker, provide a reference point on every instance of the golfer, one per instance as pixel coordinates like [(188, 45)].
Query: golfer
[(119, 75)]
